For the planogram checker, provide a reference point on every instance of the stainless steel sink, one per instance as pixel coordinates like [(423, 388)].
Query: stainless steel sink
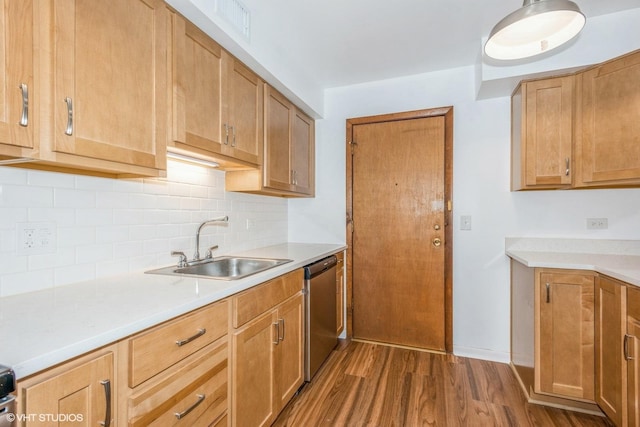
[(223, 268)]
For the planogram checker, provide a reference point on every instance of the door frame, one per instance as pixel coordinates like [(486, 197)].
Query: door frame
[(447, 113)]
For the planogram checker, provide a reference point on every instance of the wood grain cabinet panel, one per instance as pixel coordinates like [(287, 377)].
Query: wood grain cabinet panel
[(18, 116), (608, 132), (108, 85), (611, 367), (288, 167), (267, 351), (542, 134), (84, 389), (564, 334), (631, 349)]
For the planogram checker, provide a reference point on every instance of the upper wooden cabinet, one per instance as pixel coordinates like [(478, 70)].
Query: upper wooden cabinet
[(104, 85), (17, 92), (217, 101), (578, 131), (608, 127), (288, 167), (541, 138)]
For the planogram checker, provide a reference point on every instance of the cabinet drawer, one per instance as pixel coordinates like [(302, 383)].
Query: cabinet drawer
[(200, 385), (255, 301), (153, 351)]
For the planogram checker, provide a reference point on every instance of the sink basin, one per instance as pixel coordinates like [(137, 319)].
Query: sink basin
[(223, 268)]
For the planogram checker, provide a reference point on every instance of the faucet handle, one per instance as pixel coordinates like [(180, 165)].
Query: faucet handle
[(183, 258), (209, 253)]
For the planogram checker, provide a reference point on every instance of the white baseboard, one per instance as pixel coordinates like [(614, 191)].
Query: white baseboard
[(483, 354)]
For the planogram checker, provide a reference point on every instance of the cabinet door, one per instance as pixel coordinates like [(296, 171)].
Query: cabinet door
[(277, 164), (16, 78), (303, 153), (252, 384), (83, 391), (564, 333), (340, 293), (631, 347), (109, 79), (196, 89), (611, 369), (244, 112), (609, 133), (289, 373), (542, 134)]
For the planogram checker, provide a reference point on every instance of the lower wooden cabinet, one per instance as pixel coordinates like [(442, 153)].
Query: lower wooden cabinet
[(267, 352), (80, 392), (631, 349), (564, 363)]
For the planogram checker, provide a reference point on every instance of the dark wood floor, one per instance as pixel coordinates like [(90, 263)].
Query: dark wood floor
[(364, 384)]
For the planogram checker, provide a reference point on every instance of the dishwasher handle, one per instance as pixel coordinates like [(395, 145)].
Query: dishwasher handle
[(319, 267)]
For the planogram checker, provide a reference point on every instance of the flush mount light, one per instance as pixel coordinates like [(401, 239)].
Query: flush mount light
[(537, 27)]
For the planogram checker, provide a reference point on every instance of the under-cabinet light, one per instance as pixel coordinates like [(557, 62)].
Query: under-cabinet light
[(191, 159)]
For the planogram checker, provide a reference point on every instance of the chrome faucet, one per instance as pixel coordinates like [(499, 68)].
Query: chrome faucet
[(196, 257)]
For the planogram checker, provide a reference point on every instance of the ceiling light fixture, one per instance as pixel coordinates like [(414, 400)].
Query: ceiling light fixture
[(537, 27)]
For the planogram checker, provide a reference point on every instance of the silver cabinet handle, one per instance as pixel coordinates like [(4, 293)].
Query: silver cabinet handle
[(107, 396), (566, 161), (233, 131), (277, 338), (181, 415), (24, 117), (200, 333), (226, 134), (69, 130), (281, 337), (548, 293), (626, 347)]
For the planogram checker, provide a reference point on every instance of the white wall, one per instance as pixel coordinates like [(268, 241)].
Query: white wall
[(480, 188), (107, 226)]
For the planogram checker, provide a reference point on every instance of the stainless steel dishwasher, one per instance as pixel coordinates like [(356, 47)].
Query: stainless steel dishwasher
[(320, 303)]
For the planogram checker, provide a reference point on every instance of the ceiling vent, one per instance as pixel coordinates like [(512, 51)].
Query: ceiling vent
[(236, 14)]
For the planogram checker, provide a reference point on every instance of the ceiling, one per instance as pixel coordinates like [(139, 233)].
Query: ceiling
[(344, 42)]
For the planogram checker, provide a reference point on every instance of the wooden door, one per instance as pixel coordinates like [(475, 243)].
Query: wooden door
[(289, 373), (631, 348), (399, 240), (81, 390), (109, 97), (545, 139), (564, 325), (303, 153), (17, 92), (611, 368), (196, 89), (243, 101), (608, 136), (252, 381), (277, 145)]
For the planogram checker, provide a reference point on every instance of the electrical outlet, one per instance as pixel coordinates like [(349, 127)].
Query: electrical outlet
[(465, 222), (35, 238), (597, 223)]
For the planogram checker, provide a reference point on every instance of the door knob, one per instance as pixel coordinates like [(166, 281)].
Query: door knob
[(437, 242), (436, 227)]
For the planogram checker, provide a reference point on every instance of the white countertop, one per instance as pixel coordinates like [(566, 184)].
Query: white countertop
[(619, 259), (43, 328)]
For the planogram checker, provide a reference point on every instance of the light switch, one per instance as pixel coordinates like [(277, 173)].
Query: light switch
[(465, 222)]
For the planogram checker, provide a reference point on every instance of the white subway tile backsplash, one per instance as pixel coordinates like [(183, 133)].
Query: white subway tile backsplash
[(108, 226), (71, 198)]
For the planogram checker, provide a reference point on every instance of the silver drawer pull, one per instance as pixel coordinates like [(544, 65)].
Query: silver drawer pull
[(280, 322), (276, 340), (107, 396), (24, 118), (233, 131), (181, 415), (69, 130), (200, 333), (626, 347)]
